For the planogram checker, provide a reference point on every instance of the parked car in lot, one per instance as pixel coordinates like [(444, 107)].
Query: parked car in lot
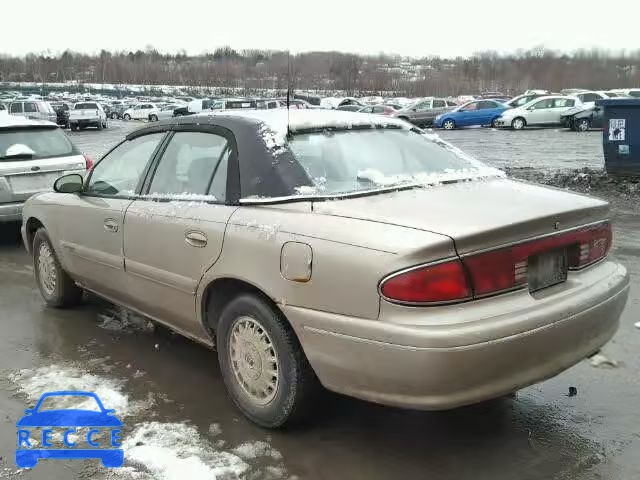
[(62, 113), (476, 112), (87, 114), (164, 113), (583, 118), (379, 110), (589, 98), (349, 108), (543, 111), (140, 111), (33, 153), (424, 111), (523, 99), (317, 259), (34, 109)]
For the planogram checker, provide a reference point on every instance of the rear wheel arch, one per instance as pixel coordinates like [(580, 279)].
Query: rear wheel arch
[(31, 227), (220, 292)]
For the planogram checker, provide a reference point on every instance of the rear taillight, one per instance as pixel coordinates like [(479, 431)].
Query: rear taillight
[(88, 163), (494, 271), (442, 282)]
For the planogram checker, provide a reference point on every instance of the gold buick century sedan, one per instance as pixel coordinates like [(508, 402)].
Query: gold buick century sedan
[(339, 249)]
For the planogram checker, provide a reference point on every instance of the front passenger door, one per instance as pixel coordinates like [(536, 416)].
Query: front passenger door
[(174, 234), (90, 224)]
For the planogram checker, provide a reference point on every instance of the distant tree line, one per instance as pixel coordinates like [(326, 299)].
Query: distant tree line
[(253, 70)]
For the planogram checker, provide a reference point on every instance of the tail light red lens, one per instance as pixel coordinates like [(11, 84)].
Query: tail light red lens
[(495, 271), (88, 163), (443, 282)]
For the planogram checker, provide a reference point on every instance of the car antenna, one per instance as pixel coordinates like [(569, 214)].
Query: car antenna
[(288, 89)]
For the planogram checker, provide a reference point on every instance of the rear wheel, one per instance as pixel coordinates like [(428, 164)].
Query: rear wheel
[(582, 125), (449, 124), (264, 369), (114, 116), (153, 118), (100, 125), (127, 117), (518, 123), (56, 286), (74, 126)]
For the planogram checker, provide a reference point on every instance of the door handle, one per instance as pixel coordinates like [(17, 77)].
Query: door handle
[(196, 239), (111, 225)]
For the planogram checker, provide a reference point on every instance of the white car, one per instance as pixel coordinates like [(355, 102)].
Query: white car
[(543, 111), (589, 98), (163, 113), (140, 111)]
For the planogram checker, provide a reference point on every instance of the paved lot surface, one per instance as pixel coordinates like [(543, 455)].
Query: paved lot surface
[(180, 424)]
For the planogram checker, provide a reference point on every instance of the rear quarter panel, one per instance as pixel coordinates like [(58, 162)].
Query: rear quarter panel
[(350, 257)]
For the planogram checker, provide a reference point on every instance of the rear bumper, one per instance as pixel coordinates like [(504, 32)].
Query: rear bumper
[(85, 121), (441, 368), (11, 212)]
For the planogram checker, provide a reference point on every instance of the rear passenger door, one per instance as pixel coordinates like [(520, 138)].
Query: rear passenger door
[(174, 233), (541, 113)]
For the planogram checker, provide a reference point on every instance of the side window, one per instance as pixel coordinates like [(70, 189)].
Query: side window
[(30, 107), (451, 104), (16, 108), (486, 104), (219, 183), (439, 104), (119, 172), (423, 106), (377, 110), (563, 102), (471, 107), (367, 110), (548, 103), (590, 97), (188, 164)]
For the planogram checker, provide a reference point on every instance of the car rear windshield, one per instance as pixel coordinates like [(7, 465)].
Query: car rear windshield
[(43, 142), (355, 160), (86, 106)]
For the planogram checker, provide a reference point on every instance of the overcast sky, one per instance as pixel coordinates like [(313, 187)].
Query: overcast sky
[(409, 27)]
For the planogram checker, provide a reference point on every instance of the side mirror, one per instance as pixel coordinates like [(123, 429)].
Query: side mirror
[(71, 183)]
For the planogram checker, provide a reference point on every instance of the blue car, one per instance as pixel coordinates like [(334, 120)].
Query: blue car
[(476, 112), (71, 419)]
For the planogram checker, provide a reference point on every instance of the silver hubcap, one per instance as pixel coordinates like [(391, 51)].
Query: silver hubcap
[(254, 360), (517, 124), (47, 269), (583, 126), (448, 125)]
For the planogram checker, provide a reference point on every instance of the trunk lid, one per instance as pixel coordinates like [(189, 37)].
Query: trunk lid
[(477, 214), (19, 179)]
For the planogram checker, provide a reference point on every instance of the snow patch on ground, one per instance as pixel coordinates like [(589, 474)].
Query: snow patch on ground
[(251, 450), (175, 451), (34, 382)]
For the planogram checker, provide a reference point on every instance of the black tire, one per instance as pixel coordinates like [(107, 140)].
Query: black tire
[(582, 125), (518, 123), (114, 116), (74, 127), (153, 118), (449, 124), (64, 292), (296, 385), (127, 117)]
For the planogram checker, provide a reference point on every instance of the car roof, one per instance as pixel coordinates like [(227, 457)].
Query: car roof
[(13, 121)]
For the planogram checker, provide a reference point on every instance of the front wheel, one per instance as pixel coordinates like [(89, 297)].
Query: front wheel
[(100, 125), (582, 125), (127, 117), (74, 127), (494, 123), (56, 286), (114, 116), (263, 366), (518, 123), (153, 118), (449, 124)]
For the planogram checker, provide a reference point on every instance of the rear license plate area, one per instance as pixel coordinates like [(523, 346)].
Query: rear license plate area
[(547, 269), (33, 183)]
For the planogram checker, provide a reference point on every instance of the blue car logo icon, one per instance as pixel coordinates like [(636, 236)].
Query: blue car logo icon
[(70, 419)]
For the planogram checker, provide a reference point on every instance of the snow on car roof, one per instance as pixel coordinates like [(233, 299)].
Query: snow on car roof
[(11, 121), (281, 121)]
